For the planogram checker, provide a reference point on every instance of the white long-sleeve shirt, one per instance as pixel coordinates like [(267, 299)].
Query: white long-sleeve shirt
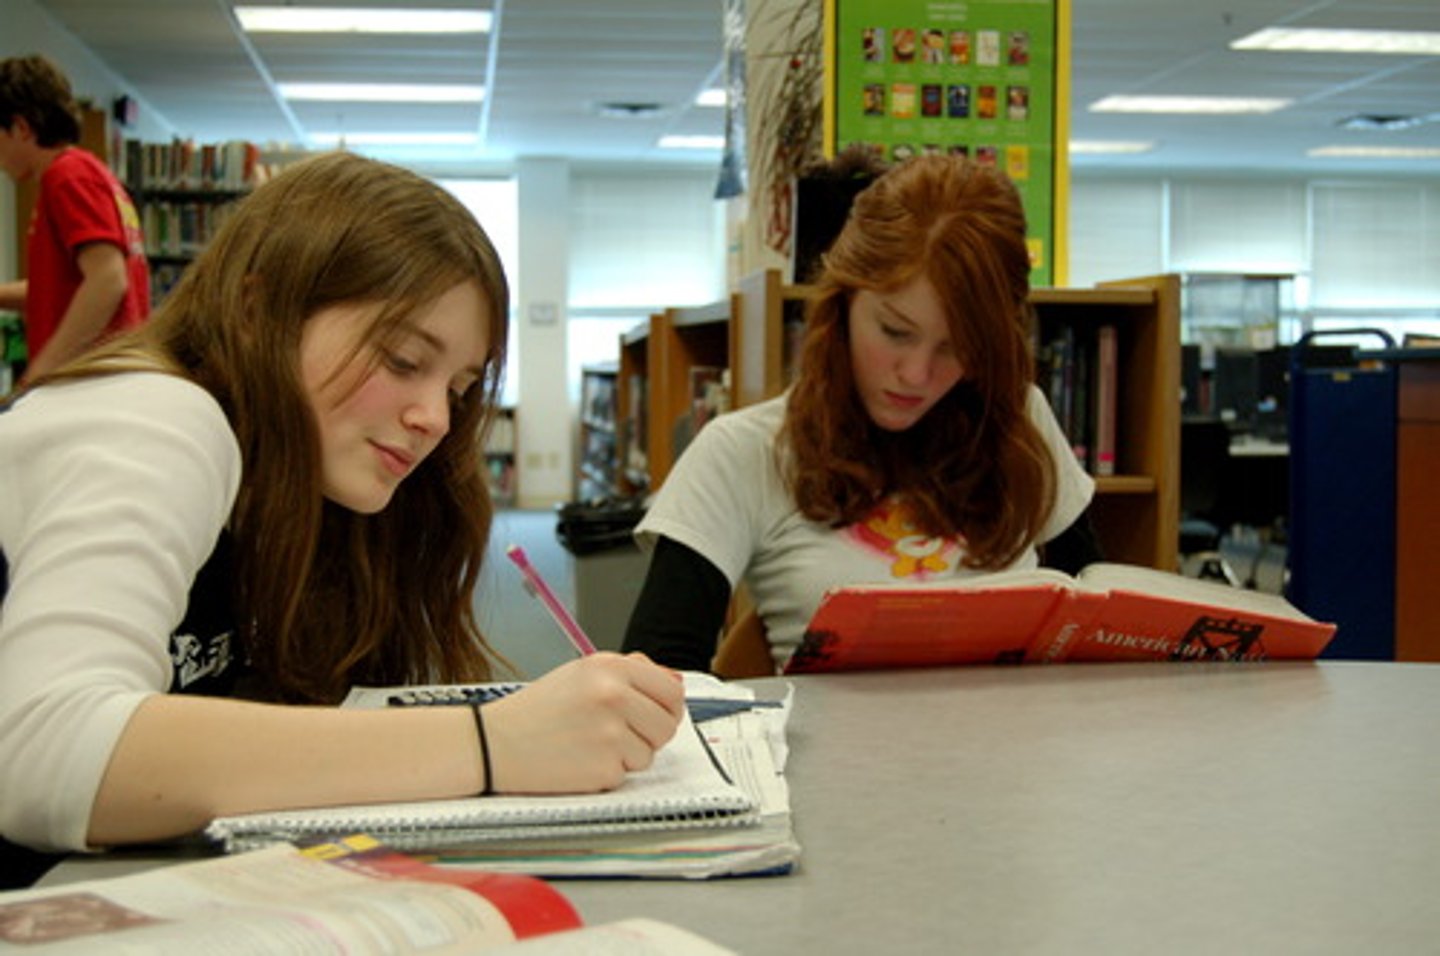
[(113, 492)]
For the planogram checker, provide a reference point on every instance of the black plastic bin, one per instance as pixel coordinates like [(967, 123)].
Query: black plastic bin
[(609, 566)]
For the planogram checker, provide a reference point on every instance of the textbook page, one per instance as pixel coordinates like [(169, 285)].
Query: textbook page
[(1105, 576), (629, 937), (279, 900)]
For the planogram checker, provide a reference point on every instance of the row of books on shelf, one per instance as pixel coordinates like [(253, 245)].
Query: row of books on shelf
[(501, 439), (181, 228), (632, 435), (597, 399), (597, 458), (1077, 368), (181, 164), (501, 471)]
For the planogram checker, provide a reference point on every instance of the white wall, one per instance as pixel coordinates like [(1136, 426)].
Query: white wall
[(1364, 251), (543, 434)]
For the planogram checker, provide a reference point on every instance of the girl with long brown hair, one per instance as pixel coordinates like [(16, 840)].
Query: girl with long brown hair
[(269, 493), (913, 444)]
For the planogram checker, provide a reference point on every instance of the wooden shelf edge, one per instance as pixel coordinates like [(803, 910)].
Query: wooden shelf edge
[(1100, 295), (1125, 485), (707, 314)]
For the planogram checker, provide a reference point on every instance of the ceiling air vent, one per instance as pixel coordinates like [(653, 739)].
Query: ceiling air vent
[(629, 110), (1385, 122)]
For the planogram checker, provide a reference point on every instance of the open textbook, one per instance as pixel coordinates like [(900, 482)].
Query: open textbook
[(351, 896), (1109, 612)]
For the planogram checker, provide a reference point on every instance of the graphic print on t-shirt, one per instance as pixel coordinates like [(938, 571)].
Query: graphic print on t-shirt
[(888, 531)]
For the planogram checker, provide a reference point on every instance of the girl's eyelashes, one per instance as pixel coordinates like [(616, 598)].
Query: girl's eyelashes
[(893, 331), (399, 364)]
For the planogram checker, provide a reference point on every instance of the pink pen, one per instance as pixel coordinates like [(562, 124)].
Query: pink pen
[(536, 585)]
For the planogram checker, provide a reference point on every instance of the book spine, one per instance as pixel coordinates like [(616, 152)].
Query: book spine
[(1106, 384), (1071, 622)]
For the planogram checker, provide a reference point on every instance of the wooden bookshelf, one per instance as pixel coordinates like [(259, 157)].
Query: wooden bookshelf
[(632, 419), (1137, 510), (768, 317), (595, 475), (501, 458), (684, 339), (183, 193)]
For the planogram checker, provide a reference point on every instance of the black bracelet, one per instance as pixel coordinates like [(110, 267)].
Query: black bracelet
[(489, 787)]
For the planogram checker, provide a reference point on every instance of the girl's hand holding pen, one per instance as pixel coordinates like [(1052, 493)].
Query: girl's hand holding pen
[(584, 725)]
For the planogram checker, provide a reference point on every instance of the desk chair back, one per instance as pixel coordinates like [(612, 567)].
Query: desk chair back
[(744, 650)]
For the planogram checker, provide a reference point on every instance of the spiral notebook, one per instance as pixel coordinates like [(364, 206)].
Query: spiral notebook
[(684, 788)]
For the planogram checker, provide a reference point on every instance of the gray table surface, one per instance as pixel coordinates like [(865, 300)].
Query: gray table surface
[(1189, 808)]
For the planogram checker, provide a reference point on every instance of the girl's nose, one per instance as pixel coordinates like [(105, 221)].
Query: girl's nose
[(915, 367), (429, 413)]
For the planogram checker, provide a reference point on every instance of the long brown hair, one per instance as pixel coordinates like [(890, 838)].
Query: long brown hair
[(975, 465), (332, 597)]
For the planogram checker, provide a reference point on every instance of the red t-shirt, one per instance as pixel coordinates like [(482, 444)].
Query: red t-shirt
[(80, 201)]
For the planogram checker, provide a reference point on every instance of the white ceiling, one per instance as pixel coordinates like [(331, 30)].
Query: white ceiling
[(550, 64)]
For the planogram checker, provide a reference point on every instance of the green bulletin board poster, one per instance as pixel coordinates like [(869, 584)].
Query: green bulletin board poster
[(977, 77)]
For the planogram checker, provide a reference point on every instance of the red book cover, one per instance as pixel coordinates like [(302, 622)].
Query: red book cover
[(1110, 612), (531, 906)]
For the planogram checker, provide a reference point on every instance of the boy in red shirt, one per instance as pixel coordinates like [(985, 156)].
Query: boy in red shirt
[(88, 278)]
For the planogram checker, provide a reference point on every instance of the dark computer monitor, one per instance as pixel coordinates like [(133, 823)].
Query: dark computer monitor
[(1235, 387), (1272, 367), (1191, 400)]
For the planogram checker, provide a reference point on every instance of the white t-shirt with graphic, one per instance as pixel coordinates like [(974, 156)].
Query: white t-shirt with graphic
[(726, 500)]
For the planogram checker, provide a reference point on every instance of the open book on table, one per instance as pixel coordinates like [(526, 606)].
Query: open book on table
[(352, 896), (1109, 612)]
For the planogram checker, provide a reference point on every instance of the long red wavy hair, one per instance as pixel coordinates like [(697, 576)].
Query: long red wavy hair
[(975, 465)]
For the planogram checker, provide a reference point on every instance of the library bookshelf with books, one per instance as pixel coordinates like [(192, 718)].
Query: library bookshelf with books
[(183, 192), (500, 458), (1134, 455), (597, 476)]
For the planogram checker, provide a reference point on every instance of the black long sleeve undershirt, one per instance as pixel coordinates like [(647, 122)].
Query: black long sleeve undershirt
[(681, 608)]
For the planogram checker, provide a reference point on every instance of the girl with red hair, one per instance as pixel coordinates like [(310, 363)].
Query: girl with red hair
[(913, 445)]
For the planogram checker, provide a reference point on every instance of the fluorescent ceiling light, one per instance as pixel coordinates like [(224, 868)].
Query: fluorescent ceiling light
[(691, 142), (1187, 104), (1109, 146), (383, 92), (1376, 152), (361, 20), (712, 97), (395, 139), (1289, 40)]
